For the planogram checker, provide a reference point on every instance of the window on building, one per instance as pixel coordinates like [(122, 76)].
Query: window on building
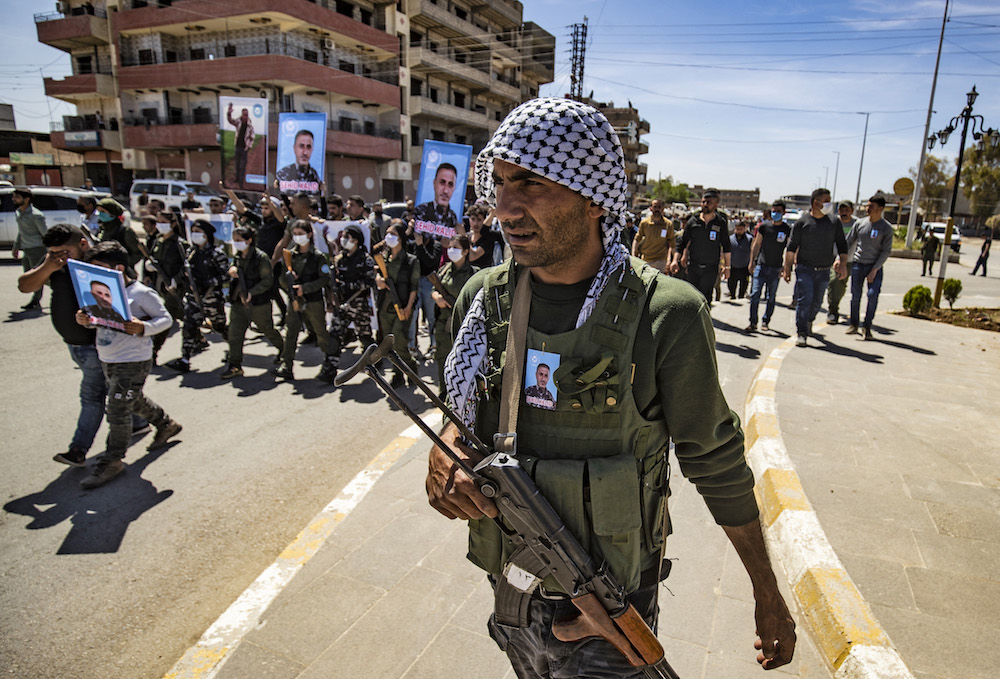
[(460, 99), (461, 14), (366, 16), (345, 8), (460, 139), (84, 65), (415, 39), (146, 57), (414, 135), (346, 124), (370, 128), (434, 94), (170, 56), (345, 66), (197, 54), (433, 46), (417, 87), (437, 135), (461, 57), (229, 50), (310, 55)]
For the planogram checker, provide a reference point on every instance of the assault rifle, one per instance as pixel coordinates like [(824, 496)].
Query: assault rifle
[(389, 285), (543, 544), (290, 280), (436, 282), (161, 276), (190, 282)]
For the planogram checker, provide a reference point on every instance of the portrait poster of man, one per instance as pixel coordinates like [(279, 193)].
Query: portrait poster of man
[(243, 138), (301, 152), (100, 292), (539, 389), (444, 171), (328, 231), (223, 224)]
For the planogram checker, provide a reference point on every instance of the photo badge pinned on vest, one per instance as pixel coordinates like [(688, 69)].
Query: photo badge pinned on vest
[(538, 370)]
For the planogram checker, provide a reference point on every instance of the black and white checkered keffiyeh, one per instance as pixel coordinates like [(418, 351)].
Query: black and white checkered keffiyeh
[(569, 143)]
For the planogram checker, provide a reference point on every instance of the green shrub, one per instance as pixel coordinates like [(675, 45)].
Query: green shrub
[(951, 289), (918, 299)]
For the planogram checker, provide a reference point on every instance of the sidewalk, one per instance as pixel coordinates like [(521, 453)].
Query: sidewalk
[(895, 446)]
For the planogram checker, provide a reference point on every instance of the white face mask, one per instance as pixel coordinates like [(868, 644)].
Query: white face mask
[(392, 240), (348, 243), (454, 254), (163, 228), (301, 238), (827, 208), (240, 245), (198, 238)]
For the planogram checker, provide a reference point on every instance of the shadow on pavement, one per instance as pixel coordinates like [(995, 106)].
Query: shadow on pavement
[(722, 325), (743, 351), (832, 348), (100, 517), (22, 315)]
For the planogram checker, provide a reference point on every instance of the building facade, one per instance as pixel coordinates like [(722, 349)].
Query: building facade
[(733, 200), (465, 65), (147, 75)]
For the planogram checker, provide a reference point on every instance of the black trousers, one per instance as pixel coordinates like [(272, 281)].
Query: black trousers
[(702, 276)]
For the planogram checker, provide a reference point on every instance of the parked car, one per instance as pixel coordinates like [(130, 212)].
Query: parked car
[(393, 210), (57, 202), (938, 228), (172, 192)]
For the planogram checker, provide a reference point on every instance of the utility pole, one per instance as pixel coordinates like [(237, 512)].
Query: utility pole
[(579, 36), (911, 225), (857, 194)]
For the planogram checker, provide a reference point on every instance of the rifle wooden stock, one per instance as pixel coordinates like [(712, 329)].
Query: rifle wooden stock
[(189, 280), (629, 633), (389, 285), (290, 278), (436, 282), (157, 269)]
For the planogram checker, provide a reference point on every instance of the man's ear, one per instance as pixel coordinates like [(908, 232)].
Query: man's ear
[(595, 211), (120, 267)]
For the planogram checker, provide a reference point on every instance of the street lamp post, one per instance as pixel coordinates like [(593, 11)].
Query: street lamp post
[(836, 170), (981, 136)]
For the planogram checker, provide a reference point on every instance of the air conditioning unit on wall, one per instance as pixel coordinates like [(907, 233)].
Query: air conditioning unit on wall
[(328, 44)]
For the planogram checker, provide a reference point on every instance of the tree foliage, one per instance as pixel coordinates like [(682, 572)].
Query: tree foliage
[(918, 299), (936, 186), (951, 289), (668, 192), (981, 180)]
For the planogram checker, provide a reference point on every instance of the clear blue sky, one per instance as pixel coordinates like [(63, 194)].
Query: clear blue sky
[(737, 94)]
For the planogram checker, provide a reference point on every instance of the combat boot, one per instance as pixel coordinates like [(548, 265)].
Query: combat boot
[(329, 369)]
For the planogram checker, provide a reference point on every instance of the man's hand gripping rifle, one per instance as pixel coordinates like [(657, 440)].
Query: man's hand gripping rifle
[(543, 544)]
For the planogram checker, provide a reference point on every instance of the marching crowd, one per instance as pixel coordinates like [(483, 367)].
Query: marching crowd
[(188, 276)]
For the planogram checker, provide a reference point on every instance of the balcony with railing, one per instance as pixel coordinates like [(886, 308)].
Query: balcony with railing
[(476, 118), (78, 27), (80, 86), (442, 61), (503, 11), (211, 14), (376, 87)]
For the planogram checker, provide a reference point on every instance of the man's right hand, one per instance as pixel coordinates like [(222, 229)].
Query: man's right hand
[(449, 489), (54, 262)]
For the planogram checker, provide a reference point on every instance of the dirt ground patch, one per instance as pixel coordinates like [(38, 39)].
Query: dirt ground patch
[(972, 317)]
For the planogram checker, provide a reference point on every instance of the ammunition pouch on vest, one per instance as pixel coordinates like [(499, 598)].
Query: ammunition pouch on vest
[(598, 461)]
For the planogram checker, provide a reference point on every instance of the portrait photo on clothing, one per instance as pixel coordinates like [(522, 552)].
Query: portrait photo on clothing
[(100, 292), (243, 141), (440, 202), (301, 152), (539, 386), (222, 222)]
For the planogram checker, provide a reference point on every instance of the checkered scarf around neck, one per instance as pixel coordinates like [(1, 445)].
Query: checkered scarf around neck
[(571, 144)]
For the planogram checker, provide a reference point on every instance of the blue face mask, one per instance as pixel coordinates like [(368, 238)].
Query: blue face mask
[(776, 216), (105, 216)]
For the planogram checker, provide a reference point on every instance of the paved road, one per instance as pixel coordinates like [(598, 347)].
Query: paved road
[(119, 582)]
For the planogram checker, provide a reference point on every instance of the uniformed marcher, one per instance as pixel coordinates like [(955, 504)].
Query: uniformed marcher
[(111, 215), (311, 272), (168, 251), (210, 271), (404, 276), (353, 280), (250, 298), (705, 238), (632, 359), (453, 276)]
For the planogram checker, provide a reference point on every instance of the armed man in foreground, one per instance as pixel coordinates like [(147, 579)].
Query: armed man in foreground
[(632, 362)]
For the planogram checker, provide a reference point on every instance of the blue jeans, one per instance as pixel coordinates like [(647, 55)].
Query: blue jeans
[(859, 272), (810, 284), (425, 302), (766, 278), (93, 390)]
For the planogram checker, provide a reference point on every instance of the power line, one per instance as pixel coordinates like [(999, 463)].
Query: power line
[(774, 140)]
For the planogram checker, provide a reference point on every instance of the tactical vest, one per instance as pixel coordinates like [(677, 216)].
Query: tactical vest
[(598, 461)]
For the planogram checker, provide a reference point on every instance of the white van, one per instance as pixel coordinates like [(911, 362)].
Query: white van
[(172, 192), (58, 203)]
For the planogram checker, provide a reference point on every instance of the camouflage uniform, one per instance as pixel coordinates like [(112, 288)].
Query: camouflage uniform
[(168, 253), (353, 279), (209, 268)]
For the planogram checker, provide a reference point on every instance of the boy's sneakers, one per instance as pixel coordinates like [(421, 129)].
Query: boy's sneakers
[(232, 371), (74, 457), (103, 472), (165, 432)]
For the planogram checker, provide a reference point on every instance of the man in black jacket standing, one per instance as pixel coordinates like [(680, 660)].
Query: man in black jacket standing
[(705, 239)]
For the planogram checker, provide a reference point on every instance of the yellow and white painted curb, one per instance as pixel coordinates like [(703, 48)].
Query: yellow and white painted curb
[(216, 646), (846, 632)]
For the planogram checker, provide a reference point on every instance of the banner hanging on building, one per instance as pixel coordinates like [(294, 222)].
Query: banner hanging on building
[(243, 138), (444, 170), (301, 152)]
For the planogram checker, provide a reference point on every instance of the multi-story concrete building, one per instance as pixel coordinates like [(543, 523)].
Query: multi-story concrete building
[(732, 200), (466, 64), (147, 75)]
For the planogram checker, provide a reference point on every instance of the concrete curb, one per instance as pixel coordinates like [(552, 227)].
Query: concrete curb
[(205, 659), (843, 626)]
